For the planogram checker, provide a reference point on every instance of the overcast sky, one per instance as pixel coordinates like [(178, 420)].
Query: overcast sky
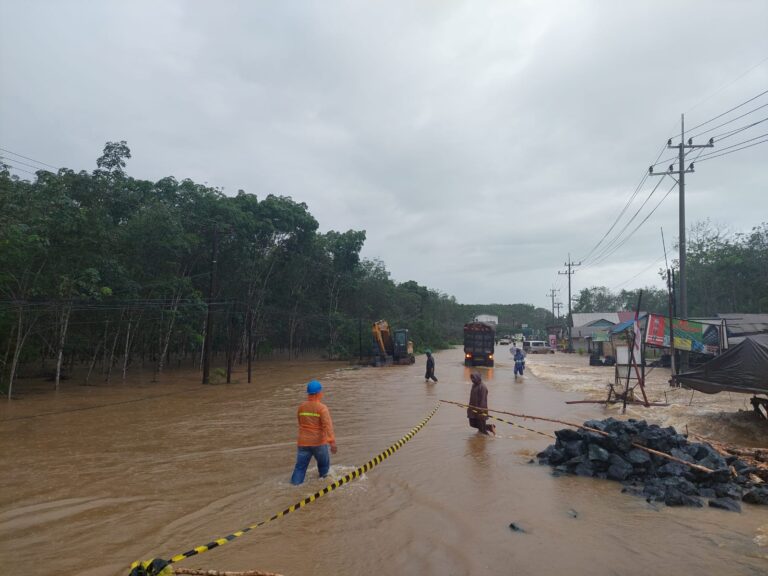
[(477, 143)]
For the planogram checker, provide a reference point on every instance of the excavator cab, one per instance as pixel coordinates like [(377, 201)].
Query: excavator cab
[(391, 346), (403, 348)]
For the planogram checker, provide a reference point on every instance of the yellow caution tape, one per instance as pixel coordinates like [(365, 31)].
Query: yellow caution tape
[(158, 567)]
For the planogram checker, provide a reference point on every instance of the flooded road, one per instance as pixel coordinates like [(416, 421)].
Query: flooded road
[(93, 478)]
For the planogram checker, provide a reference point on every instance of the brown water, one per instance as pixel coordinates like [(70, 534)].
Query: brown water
[(93, 478)]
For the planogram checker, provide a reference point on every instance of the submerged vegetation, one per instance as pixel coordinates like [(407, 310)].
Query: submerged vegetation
[(102, 271)]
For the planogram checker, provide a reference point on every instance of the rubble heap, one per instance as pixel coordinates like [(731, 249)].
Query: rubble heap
[(612, 456)]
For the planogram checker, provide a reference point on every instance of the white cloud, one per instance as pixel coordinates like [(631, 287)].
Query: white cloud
[(476, 143)]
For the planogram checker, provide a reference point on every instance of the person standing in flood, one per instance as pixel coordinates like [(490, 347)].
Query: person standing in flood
[(430, 373), (315, 434), (519, 362), (478, 398)]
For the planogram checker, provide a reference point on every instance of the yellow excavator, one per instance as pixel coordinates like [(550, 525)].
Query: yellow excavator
[(391, 347)]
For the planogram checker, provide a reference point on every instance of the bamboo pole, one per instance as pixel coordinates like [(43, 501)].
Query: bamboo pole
[(595, 430), (637, 402), (196, 572)]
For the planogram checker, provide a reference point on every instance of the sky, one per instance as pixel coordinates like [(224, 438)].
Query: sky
[(478, 144)]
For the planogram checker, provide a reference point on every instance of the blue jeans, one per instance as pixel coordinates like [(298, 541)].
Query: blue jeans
[(304, 455)]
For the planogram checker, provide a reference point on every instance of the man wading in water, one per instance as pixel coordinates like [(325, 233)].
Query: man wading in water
[(430, 373), (315, 434), (478, 398)]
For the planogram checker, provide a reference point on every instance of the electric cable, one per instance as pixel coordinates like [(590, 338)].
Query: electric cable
[(732, 151), (643, 221), (623, 210), (734, 131), (718, 152), (37, 168), (727, 111), (607, 248), (728, 122), (616, 247), (28, 158), (627, 281), (19, 169)]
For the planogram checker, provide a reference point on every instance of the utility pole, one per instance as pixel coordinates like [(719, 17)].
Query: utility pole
[(209, 317), (551, 294), (570, 265), (680, 173), (558, 305), (679, 176)]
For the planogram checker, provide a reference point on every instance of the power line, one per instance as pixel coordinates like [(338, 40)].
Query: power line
[(627, 281), (37, 168), (726, 85), (728, 111), (19, 169), (705, 156), (732, 151), (27, 158), (623, 210), (733, 132), (643, 221), (729, 121), (608, 248)]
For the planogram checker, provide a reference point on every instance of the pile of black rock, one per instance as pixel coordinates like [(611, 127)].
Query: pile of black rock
[(658, 479)]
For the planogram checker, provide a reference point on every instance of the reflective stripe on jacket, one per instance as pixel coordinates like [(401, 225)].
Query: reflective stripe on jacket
[(315, 424)]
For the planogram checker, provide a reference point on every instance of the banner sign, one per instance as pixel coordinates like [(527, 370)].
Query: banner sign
[(553, 341), (601, 336), (691, 336)]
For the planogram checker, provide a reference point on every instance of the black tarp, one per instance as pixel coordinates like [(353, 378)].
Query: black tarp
[(741, 368)]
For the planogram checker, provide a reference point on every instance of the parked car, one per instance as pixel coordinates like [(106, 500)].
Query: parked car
[(536, 347)]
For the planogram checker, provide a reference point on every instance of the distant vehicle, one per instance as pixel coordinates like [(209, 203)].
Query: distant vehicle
[(391, 347), (504, 342), (478, 344), (487, 319), (536, 347)]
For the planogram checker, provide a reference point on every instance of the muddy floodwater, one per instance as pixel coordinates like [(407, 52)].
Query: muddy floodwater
[(93, 478)]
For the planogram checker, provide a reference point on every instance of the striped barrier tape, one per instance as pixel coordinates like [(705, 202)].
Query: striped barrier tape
[(160, 567), (478, 411)]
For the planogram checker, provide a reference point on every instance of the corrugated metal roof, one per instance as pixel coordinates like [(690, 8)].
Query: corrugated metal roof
[(625, 315), (587, 318), (745, 323)]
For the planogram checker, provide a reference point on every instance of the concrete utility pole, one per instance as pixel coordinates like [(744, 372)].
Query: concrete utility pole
[(551, 294), (570, 265), (558, 305), (680, 174), (682, 308)]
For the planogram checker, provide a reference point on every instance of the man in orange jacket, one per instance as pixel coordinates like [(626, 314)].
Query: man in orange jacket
[(315, 434)]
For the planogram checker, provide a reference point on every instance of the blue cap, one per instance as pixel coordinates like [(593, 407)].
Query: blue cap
[(314, 387)]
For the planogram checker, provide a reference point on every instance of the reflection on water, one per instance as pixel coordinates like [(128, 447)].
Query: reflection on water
[(94, 478), (485, 372)]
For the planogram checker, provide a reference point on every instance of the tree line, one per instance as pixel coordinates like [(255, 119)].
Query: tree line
[(103, 273), (726, 273)]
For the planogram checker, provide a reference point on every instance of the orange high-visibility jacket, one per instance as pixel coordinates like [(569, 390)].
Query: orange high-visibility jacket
[(315, 424)]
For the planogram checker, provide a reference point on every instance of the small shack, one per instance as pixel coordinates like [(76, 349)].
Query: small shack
[(741, 368)]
